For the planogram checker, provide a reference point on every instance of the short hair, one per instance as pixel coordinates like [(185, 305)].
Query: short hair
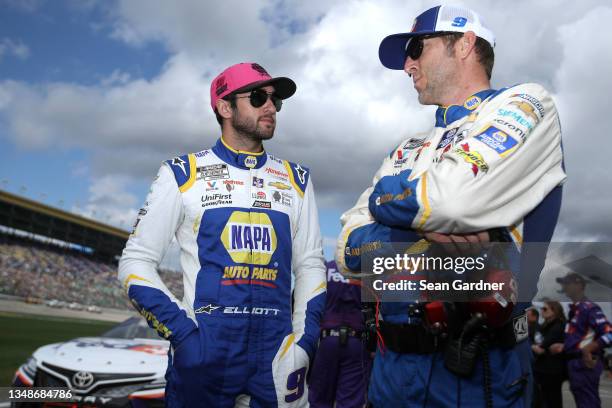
[(483, 49), (232, 102)]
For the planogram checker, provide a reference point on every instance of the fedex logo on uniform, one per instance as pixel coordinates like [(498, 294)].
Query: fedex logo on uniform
[(249, 237)]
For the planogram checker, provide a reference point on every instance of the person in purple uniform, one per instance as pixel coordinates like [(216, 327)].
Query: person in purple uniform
[(587, 334), (341, 367)]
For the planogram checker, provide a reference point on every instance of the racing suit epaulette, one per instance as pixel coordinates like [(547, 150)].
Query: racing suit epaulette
[(298, 176), (184, 169)]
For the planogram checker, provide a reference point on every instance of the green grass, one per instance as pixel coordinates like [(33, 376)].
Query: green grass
[(22, 334)]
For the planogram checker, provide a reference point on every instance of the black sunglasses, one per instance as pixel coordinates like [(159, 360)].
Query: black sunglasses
[(414, 47), (259, 97)]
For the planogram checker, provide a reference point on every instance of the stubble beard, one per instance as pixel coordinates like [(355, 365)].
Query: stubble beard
[(439, 82), (250, 129)]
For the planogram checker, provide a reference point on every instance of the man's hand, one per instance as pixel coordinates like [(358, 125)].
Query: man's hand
[(587, 354), (461, 244), (537, 349), (556, 348)]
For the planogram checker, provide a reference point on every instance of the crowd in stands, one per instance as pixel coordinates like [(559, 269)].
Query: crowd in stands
[(31, 268)]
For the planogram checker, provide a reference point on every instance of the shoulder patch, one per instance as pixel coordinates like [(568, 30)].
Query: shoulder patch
[(184, 169), (298, 176), (203, 153)]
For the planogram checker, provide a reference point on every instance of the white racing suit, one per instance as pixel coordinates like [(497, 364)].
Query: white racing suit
[(245, 223), (494, 162)]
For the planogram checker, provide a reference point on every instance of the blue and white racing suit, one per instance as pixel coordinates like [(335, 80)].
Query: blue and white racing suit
[(494, 162), (248, 231)]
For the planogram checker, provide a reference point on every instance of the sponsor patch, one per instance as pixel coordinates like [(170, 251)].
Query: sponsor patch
[(275, 159), (512, 127), (279, 185), (385, 198), (216, 199), (533, 101), (208, 309), (251, 311), (473, 158), (521, 328), (276, 173), (472, 103), (527, 108), (447, 138), (238, 274), (301, 173), (180, 163), (258, 182), (516, 116), (413, 144), (249, 237), (213, 172), (262, 204), (260, 195), (283, 198), (250, 161), (497, 140)]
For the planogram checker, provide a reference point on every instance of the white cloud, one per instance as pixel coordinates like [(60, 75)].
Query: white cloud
[(581, 82), (15, 48), (110, 202)]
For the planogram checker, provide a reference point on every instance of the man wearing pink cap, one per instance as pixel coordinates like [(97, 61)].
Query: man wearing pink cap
[(491, 168), (247, 226)]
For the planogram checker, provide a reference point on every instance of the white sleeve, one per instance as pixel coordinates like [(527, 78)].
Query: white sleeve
[(308, 266), (155, 227)]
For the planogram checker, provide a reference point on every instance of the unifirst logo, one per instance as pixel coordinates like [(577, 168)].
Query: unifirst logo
[(249, 238)]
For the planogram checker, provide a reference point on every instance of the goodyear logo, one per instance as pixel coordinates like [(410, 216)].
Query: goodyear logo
[(249, 238)]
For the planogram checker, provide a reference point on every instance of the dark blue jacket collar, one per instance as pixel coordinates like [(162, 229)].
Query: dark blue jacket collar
[(451, 113), (239, 158)]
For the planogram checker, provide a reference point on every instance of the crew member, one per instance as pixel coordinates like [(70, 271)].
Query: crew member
[(341, 367), (587, 334)]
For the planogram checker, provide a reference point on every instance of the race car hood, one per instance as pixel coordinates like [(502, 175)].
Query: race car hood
[(106, 355)]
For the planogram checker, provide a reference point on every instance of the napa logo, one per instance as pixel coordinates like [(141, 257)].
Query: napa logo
[(472, 103), (249, 238)]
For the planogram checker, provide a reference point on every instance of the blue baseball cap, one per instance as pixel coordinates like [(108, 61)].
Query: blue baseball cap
[(392, 50)]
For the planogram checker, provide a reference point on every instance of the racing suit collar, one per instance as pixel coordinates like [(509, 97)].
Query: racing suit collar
[(238, 158), (452, 113)]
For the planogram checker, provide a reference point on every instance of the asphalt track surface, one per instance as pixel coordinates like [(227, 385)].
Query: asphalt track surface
[(19, 306), (113, 315)]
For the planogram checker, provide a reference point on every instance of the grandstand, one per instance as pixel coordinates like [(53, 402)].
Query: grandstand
[(47, 253)]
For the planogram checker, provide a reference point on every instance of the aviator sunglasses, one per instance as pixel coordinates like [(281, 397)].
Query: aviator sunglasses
[(258, 98), (414, 47)]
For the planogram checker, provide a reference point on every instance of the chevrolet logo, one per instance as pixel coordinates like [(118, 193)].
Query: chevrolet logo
[(279, 185)]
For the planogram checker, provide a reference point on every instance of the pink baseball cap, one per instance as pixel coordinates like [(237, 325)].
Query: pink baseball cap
[(244, 77)]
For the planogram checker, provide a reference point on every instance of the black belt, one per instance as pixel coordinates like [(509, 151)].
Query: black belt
[(412, 338), (408, 338), (336, 333)]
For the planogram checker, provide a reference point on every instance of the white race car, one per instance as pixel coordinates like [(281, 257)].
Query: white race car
[(125, 367)]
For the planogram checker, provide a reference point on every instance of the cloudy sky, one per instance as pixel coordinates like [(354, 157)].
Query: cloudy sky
[(95, 94)]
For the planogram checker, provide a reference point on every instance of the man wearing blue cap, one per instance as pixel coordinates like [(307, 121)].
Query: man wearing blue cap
[(490, 169)]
